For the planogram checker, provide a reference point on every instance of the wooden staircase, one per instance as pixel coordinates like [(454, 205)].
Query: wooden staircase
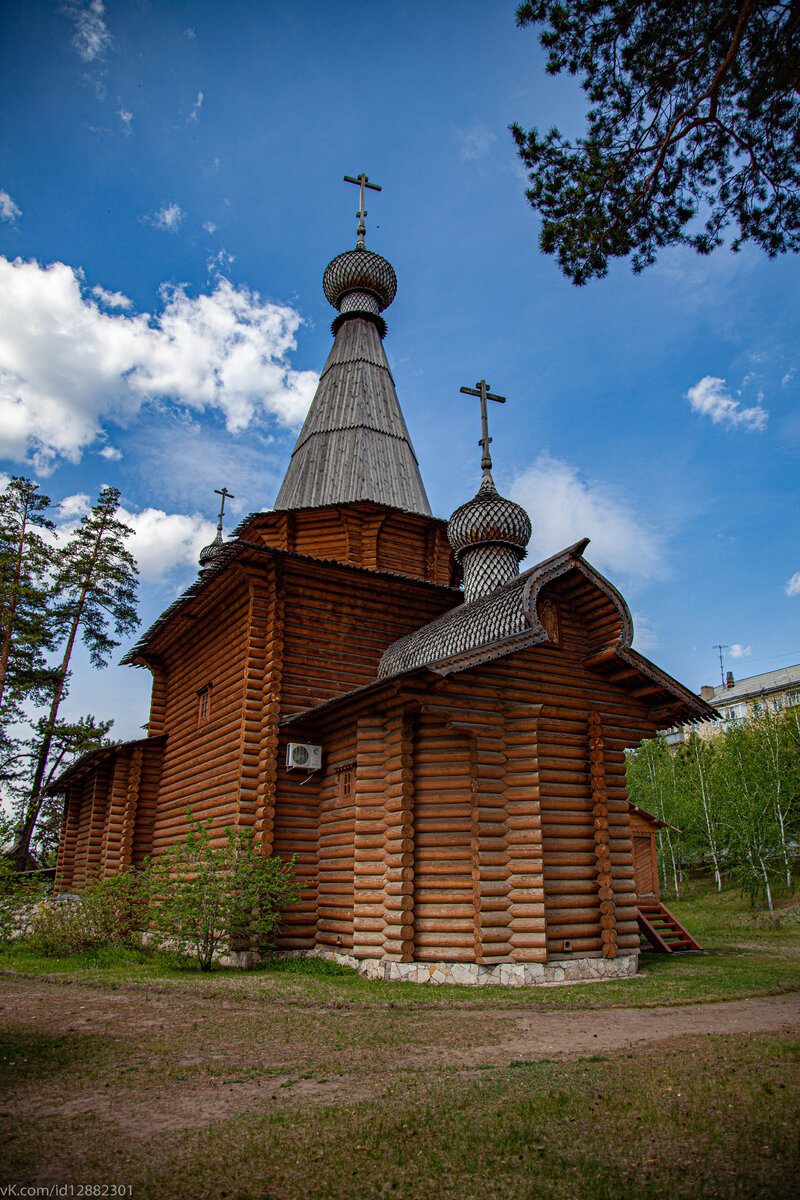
[(663, 931)]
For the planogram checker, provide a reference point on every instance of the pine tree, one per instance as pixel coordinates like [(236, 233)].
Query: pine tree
[(693, 127), (27, 614), (95, 581)]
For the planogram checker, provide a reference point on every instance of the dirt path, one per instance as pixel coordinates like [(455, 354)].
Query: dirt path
[(150, 1063)]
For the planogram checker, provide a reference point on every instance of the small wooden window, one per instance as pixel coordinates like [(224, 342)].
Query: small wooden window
[(204, 704), (346, 783)]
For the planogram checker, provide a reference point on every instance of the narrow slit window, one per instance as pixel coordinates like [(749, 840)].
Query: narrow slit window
[(345, 783), (204, 704)]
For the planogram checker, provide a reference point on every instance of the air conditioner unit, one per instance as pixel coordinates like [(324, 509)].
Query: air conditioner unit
[(300, 756)]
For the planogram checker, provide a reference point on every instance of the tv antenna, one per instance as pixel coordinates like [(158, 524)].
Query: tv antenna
[(721, 663)]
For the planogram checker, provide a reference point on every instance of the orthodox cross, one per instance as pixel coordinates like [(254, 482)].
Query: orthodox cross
[(482, 389), (361, 181), (226, 495)]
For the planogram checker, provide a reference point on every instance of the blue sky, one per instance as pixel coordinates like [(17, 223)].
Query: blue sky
[(170, 193)]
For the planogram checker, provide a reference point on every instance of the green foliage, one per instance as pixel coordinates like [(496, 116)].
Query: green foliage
[(110, 912), (96, 580), (694, 117), (18, 894), (94, 584), (734, 798), (214, 898), (27, 615)]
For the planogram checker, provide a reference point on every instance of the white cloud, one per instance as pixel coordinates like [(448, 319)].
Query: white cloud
[(210, 227), (91, 38), (793, 586), (160, 542), (73, 506), (111, 299), (169, 217), (475, 142), (163, 542), (67, 366), (126, 117), (198, 104), (565, 508), (9, 211), (789, 376), (739, 651), (219, 262), (111, 453), (190, 34), (711, 398)]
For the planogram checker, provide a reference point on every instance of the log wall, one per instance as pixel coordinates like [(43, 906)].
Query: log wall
[(203, 750), (107, 811), (445, 844), (491, 817), (362, 534), (338, 625)]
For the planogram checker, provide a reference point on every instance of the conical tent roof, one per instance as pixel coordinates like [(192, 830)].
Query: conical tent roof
[(354, 444)]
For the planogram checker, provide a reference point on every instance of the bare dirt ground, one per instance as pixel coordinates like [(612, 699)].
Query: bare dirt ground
[(149, 1063)]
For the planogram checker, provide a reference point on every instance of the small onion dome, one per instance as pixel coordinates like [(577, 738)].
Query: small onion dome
[(489, 519), (360, 271), (209, 554)]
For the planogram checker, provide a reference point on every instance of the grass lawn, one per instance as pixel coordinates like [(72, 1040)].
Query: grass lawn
[(302, 1079)]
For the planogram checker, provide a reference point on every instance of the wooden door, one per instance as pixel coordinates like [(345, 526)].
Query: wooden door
[(645, 870)]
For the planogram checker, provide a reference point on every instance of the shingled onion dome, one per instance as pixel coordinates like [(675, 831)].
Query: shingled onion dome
[(489, 536), (210, 553), (360, 283)]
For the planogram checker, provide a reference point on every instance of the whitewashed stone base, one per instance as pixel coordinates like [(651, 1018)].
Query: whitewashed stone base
[(507, 974)]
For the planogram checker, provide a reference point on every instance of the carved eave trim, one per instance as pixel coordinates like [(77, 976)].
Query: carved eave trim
[(572, 559), (679, 704), (484, 654)]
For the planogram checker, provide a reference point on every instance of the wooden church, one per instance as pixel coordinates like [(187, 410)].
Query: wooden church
[(439, 738)]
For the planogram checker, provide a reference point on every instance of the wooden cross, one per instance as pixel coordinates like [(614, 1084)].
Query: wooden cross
[(482, 389), (226, 495), (361, 181)]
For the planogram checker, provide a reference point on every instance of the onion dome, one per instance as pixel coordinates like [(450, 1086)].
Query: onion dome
[(360, 283), (489, 536), (210, 553)]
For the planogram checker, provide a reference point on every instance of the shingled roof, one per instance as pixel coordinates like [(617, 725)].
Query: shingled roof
[(494, 624), (354, 444)]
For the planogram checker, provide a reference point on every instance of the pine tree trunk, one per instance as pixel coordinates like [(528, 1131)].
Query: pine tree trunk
[(21, 849), (12, 608)]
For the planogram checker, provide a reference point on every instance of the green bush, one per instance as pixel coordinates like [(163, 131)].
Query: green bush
[(18, 896), (109, 912), (212, 899)]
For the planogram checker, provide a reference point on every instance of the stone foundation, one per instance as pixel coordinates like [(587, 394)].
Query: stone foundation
[(507, 974)]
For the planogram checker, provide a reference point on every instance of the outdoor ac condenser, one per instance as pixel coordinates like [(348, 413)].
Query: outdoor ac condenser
[(301, 756)]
